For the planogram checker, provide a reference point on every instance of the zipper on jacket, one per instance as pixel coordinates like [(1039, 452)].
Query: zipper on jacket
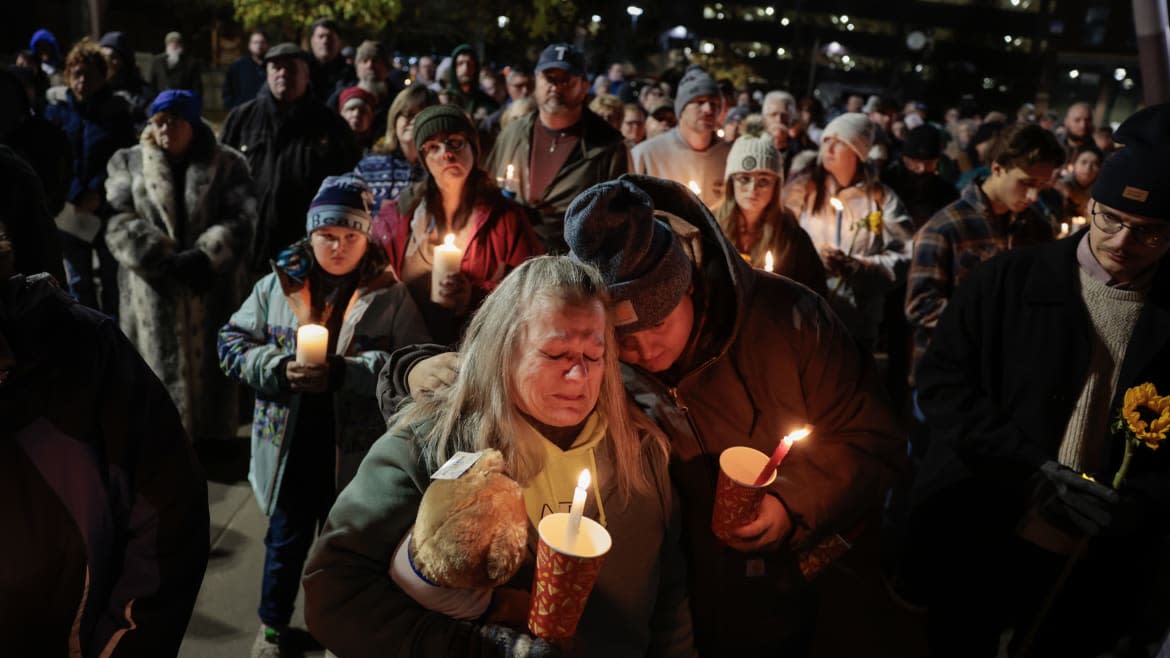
[(686, 412)]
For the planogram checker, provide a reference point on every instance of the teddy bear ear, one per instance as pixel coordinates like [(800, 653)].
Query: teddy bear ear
[(506, 554)]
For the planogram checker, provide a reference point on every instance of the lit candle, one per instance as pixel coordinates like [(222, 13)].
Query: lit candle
[(780, 453), (695, 188), (312, 344), (768, 261), (1063, 229), (840, 208), (719, 133), (447, 260), (510, 178), (577, 508), (1079, 221)]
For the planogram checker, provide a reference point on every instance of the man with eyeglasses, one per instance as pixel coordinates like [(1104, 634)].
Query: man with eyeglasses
[(562, 149), (690, 153), (1021, 387)]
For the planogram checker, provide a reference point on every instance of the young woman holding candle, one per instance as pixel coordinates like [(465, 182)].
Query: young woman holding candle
[(456, 198), (865, 247), (753, 218), (540, 382), (314, 421)]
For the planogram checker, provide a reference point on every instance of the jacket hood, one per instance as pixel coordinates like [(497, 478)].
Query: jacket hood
[(722, 275)]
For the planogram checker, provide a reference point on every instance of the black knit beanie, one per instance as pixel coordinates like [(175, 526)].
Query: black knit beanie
[(1135, 179)]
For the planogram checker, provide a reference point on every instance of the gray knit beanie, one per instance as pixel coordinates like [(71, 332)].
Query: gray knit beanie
[(754, 150), (612, 227), (853, 128), (695, 83)]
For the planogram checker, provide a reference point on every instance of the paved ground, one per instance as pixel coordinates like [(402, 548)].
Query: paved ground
[(225, 622)]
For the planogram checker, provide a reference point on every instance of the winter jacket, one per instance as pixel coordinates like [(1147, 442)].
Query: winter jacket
[(95, 129), (767, 357), (243, 80), (637, 606), (102, 498), (172, 325), (289, 152), (186, 73), (600, 155), (26, 221), (379, 317), (1006, 366), (884, 254)]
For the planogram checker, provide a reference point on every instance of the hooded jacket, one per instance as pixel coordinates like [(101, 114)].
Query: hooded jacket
[(766, 356)]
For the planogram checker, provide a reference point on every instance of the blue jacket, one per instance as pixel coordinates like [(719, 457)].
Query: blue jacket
[(103, 501), (95, 129)]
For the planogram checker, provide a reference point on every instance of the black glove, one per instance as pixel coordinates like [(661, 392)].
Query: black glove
[(1071, 501), (192, 268), (513, 644)]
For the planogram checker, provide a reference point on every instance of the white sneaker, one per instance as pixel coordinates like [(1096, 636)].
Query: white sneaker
[(267, 644)]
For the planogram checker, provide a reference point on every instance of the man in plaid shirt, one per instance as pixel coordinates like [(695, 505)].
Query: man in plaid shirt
[(993, 214)]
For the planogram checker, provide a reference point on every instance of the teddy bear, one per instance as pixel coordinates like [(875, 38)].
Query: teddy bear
[(471, 532)]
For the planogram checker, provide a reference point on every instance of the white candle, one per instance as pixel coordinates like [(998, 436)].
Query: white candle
[(577, 508), (447, 260), (840, 208), (1063, 229), (312, 344), (510, 178), (768, 261), (695, 188)]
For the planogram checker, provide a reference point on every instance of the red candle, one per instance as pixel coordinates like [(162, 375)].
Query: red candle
[(780, 453)]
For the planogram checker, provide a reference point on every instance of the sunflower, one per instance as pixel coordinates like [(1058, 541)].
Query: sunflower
[(1146, 414)]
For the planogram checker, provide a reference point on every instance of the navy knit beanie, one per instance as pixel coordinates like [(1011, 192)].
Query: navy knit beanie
[(342, 201), (612, 227), (1135, 179)]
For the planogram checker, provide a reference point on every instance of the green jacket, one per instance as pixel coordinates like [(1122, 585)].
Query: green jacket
[(638, 606), (601, 155)]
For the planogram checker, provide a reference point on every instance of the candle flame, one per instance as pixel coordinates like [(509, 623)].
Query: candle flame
[(1064, 228), (695, 187), (768, 261), (836, 203), (511, 171), (584, 479), (797, 435), (449, 240), (720, 133)]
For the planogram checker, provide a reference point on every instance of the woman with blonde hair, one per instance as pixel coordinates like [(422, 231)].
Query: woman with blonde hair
[(610, 108), (539, 382), (752, 216), (393, 164)]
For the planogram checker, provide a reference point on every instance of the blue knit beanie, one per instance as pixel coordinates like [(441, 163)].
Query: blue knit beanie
[(186, 105), (343, 201), (612, 227)]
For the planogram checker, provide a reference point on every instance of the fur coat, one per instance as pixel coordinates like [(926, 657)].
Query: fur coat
[(174, 327)]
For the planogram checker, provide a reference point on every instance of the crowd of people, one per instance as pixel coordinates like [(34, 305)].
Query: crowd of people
[(649, 270)]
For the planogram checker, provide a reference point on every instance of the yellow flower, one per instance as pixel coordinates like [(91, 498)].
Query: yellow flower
[(1146, 414), (874, 221)]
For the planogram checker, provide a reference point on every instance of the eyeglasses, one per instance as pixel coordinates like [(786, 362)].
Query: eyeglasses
[(453, 144), (758, 181), (167, 121), (1111, 224)]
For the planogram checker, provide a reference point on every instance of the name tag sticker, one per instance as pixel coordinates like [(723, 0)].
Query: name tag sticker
[(457, 465)]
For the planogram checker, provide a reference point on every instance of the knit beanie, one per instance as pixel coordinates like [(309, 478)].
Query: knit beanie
[(356, 92), (612, 227), (186, 105), (447, 119), (343, 201), (695, 83), (118, 42), (1135, 179), (754, 150), (853, 128)]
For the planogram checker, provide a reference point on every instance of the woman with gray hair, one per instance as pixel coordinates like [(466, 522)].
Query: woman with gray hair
[(540, 383)]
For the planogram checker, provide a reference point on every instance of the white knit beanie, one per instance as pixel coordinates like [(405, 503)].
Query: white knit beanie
[(853, 128), (753, 151)]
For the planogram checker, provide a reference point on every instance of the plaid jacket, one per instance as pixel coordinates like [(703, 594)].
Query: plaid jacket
[(951, 245)]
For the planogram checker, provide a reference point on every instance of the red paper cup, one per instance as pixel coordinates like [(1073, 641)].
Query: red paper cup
[(737, 498), (564, 575)]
